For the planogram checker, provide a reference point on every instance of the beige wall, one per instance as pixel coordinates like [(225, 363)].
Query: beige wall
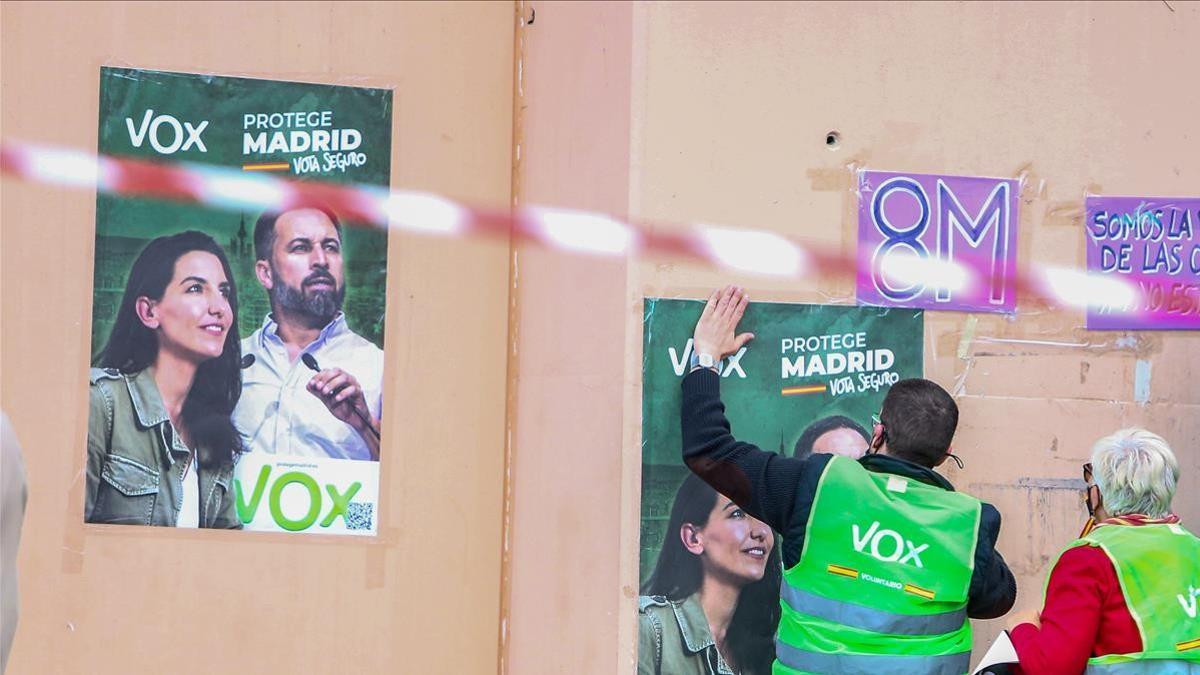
[(569, 497), (728, 109), (425, 596), (679, 112)]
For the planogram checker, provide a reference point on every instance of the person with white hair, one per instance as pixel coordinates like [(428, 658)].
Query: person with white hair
[(1124, 597)]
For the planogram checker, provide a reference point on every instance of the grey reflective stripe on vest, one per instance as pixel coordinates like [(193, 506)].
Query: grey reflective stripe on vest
[(870, 664), (874, 620), (1145, 667)]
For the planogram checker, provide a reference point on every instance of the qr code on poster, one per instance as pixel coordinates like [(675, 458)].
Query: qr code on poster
[(360, 516)]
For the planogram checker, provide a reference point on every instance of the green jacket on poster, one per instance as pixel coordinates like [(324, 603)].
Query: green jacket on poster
[(135, 460), (674, 639)]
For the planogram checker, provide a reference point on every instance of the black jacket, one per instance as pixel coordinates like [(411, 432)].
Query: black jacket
[(779, 490)]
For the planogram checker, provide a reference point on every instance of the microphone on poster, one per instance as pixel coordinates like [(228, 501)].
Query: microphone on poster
[(311, 362)]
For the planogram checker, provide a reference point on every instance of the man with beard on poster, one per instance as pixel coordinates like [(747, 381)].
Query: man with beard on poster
[(833, 435), (286, 408)]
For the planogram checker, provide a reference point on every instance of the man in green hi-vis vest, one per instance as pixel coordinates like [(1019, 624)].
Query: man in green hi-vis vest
[(1125, 597), (883, 561)]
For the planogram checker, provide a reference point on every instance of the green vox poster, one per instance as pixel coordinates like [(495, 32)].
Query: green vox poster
[(237, 354), (819, 366)]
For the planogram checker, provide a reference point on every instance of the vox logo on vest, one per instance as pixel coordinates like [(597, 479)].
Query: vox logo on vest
[(901, 550)]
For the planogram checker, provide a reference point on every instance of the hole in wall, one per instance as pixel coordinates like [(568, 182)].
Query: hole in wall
[(833, 140)]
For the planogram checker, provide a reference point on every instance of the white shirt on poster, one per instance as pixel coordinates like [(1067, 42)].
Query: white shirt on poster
[(276, 414), (189, 512)]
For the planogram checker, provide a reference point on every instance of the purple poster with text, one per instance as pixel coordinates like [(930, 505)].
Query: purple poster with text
[(1150, 243), (937, 242)]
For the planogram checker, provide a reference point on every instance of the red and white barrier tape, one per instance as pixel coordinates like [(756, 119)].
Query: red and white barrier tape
[(744, 250)]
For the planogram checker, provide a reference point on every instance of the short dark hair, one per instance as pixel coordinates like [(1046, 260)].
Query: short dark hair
[(804, 444), (264, 229), (919, 418)]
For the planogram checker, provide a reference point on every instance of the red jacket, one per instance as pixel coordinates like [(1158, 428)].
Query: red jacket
[(1085, 614)]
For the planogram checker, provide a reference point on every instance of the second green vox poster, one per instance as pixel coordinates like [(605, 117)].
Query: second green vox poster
[(806, 365)]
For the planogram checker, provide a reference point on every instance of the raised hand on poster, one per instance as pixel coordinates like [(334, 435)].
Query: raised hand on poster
[(716, 331)]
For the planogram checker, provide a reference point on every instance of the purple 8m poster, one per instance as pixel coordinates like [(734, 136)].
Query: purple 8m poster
[(937, 242)]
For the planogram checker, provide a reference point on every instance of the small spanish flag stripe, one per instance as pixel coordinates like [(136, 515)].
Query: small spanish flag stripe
[(275, 166), (792, 391), (917, 590), (843, 571), (1190, 644)]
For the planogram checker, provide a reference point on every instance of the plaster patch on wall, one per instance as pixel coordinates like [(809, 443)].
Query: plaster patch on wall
[(1064, 214), (830, 180), (960, 383), (963, 353), (1043, 343), (1034, 483), (1141, 382), (1070, 484), (968, 334), (1032, 186)]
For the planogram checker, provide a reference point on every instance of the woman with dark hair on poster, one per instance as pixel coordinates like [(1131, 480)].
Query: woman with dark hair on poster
[(711, 605), (161, 445)]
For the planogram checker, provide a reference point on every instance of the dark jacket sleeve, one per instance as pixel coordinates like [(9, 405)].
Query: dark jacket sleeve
[(763, 483), (993, 588)]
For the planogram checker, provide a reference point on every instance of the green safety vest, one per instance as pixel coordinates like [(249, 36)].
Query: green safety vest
[(882, 581), (1159, 570)]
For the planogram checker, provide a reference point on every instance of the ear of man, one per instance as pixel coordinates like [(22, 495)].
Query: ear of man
[(262, 270), (877, 443), (945, 456)]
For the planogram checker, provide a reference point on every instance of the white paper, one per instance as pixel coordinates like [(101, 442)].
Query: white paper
[(1001, 652)]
